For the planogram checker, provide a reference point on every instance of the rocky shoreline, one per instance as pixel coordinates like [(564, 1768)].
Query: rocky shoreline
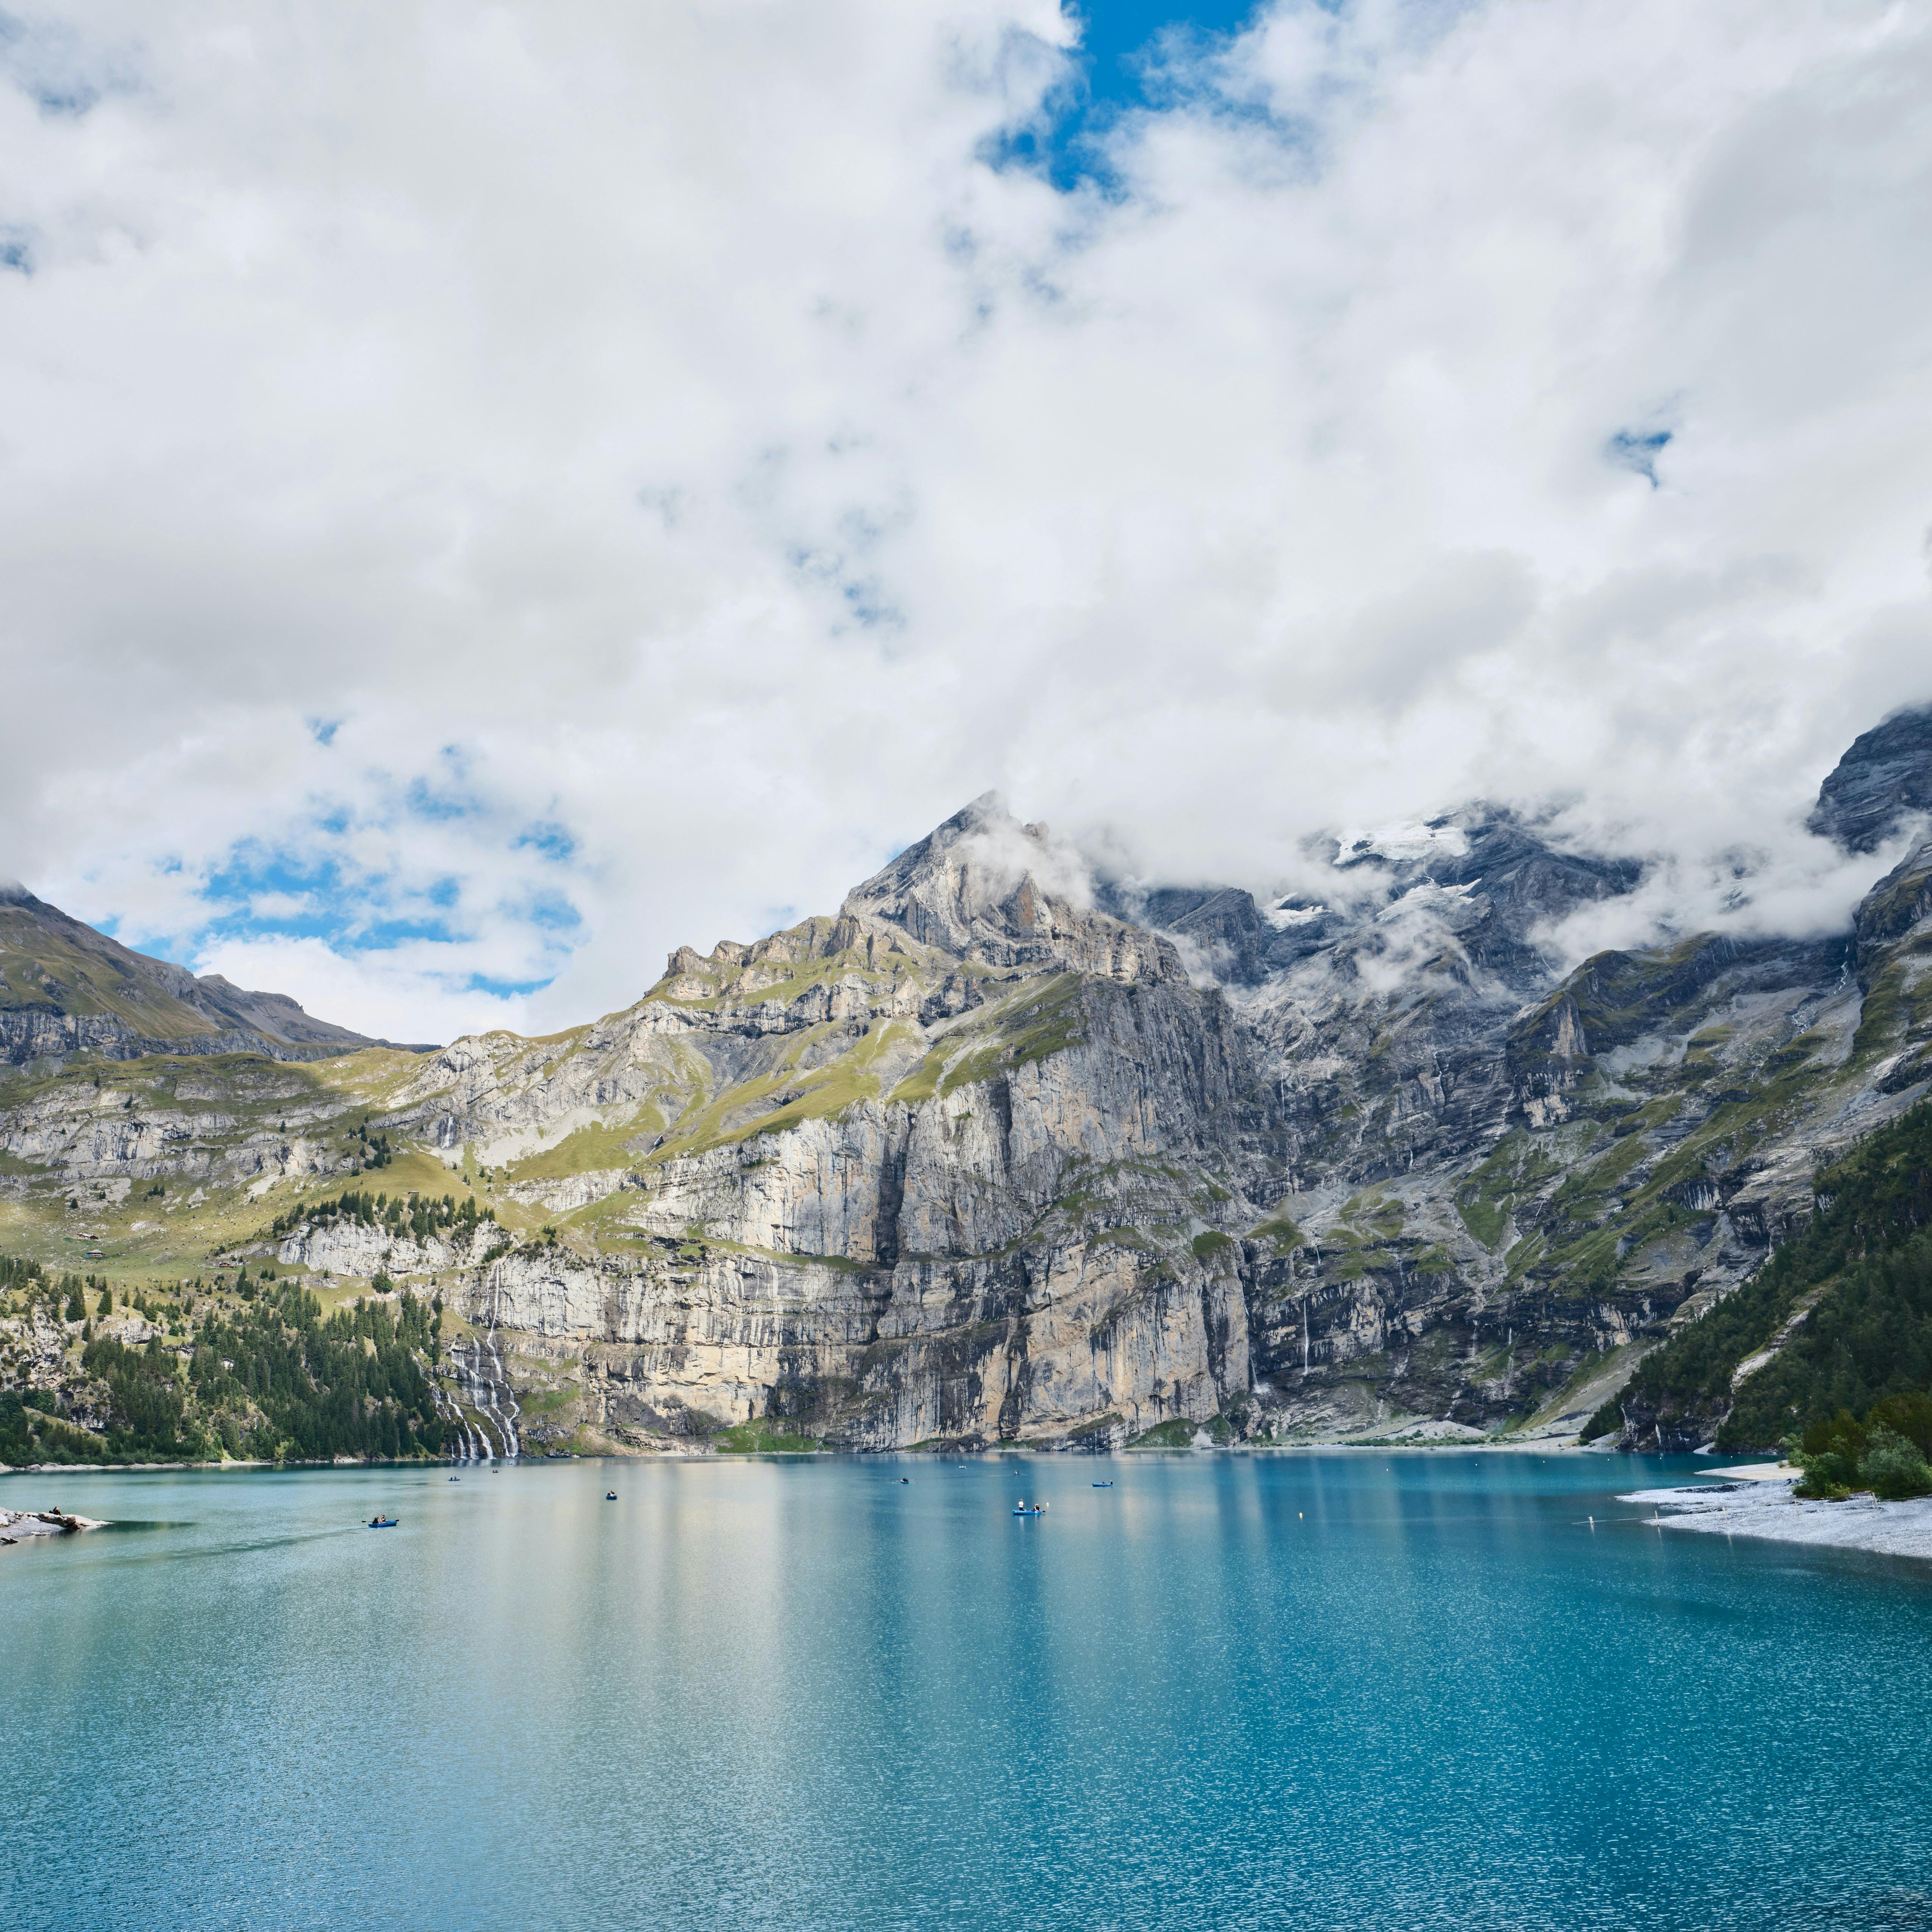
[(16, 1526), (1764, 1507)]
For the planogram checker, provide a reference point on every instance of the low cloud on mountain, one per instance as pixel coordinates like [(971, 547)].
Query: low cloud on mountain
[(490, 496)]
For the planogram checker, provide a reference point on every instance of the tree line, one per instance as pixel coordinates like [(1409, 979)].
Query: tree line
[(417, 1215), (274, 1380)]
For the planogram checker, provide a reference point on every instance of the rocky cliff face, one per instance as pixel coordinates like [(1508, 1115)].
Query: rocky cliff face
[(977, 1159), (1884, 778), (960, 1163), (997, 1154)]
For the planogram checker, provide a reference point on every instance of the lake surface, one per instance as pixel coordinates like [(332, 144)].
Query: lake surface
[(1293, 1691)]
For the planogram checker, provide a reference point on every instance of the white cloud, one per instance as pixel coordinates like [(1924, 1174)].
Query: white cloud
[(659, 435), (1806, 891), (999, 852)]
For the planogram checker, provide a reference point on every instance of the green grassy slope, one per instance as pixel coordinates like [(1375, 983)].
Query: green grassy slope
[(53, 965)]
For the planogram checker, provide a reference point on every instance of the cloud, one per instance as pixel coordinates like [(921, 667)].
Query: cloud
[(1804, 892), (999, 852), (537, 486)]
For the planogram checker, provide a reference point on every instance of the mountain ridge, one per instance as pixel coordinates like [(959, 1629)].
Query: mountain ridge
[(65, 987), (977, 1160)]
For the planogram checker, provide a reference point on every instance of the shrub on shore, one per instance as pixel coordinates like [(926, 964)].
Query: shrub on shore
[(1885, 1453)]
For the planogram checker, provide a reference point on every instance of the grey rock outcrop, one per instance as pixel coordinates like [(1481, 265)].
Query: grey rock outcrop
[(978, 1160), (1885, 777), (927, 1220)]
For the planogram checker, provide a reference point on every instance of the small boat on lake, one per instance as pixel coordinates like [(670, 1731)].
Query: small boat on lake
[(382, 1522), (1023, 1507), (1103, 1485), (610, 1496)]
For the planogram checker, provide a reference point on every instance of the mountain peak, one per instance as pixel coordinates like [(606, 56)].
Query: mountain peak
[(984, 886), (1886, 774)]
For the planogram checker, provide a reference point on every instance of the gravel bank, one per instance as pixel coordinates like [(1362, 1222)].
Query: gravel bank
[(1767, 1508)]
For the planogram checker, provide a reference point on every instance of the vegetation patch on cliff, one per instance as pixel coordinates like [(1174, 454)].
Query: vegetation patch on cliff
[(764, 1436), (1865, 1261), (1180, 1433)]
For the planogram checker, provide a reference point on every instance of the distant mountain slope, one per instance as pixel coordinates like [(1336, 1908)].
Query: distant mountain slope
[(64, 987)]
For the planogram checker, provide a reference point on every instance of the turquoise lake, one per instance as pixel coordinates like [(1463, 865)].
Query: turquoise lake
[(1300, 1690)]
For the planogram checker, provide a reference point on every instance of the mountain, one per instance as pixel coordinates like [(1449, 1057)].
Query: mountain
[(66, 988), (1000, 1154), (1885, 776), (1838, 1320)]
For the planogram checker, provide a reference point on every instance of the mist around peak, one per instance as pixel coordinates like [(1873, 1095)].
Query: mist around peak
[(967, 872)]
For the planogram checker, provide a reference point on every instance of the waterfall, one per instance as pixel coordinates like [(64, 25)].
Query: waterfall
[(505, 1425), (478, 1377), (509, 1423), (481, 1402), (476, 1440), (488, 1409), (468, 1449)]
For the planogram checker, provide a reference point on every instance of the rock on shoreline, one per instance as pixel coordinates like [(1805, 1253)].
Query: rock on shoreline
[(1769, 1510), (17, 1524)]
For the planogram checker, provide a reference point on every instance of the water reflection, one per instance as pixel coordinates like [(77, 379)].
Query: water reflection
[(1297, 1691)]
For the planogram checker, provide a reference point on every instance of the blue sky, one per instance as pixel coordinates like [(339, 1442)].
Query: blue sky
[(1122, 69), (390, 876)]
